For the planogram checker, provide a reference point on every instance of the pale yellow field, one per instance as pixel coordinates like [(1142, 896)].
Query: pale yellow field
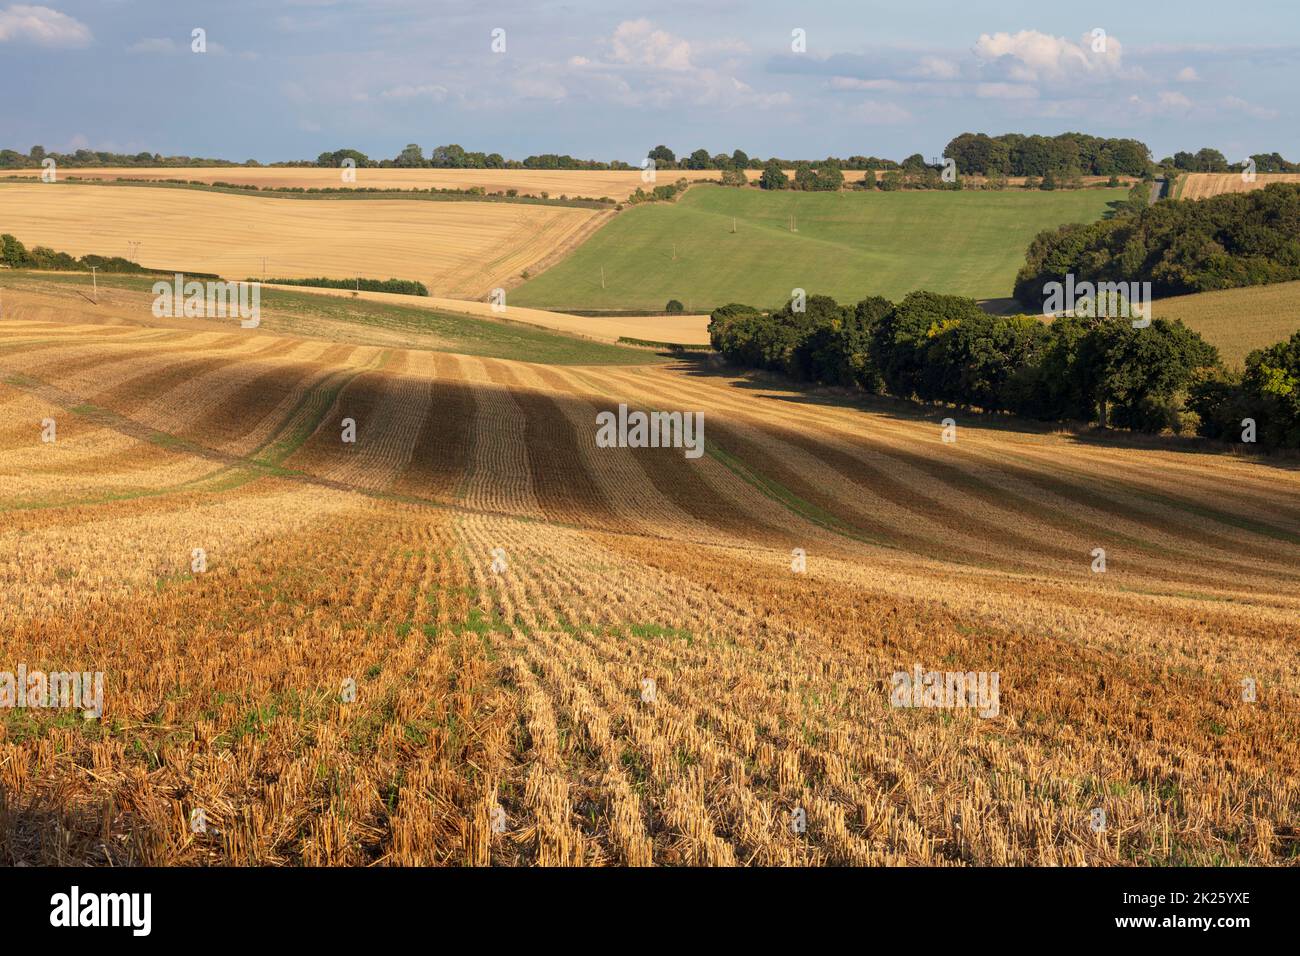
[(574, 183), (457, 249), (1204, 185)]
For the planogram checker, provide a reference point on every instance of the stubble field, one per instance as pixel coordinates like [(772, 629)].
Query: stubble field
[(574, 183), (1205, 185), (500, 591), (457, 249)]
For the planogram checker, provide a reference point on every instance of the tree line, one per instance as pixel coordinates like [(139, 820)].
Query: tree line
[(1209, 160), (946, 349), (13, 159), (1065, 156)]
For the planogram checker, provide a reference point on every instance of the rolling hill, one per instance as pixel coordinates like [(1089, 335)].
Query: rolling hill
[(846, 245)]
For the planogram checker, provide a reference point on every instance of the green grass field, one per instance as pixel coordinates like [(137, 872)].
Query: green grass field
[(1238, 321), (847, 245)]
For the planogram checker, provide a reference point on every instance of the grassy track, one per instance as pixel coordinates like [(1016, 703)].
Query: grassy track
[(847, 245)]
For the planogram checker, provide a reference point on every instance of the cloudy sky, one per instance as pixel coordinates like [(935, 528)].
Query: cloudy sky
[(284, 79)]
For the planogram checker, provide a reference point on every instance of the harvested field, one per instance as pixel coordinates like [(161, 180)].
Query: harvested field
[(1205, 185), (460, 250), (473, 636), (574, 183)]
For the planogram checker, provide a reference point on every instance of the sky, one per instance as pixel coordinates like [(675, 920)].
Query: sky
[(289, 79)]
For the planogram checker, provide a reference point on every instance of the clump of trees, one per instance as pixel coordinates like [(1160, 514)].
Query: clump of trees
[(664, 193), (15, 255), (946, 349), (1265, 398), (1068, 156), (1180, 247)]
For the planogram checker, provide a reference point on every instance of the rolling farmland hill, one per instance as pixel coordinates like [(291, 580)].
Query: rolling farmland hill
[(474, 636), (847, 245), (457, 249)]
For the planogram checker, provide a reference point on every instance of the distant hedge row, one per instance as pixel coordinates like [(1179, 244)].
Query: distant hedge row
[(944, 348), (399, 286)]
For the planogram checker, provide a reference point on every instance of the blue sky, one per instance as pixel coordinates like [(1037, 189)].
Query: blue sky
[(284, 79)]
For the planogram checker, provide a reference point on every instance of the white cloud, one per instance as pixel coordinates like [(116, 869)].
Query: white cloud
[(1173, 101), (1033, 57), (41, 26), (938, 68), (1236, 104), (646, 66), (431, 91), (638, 43), (1187, 75)]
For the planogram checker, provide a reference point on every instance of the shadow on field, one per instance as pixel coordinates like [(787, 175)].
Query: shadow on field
[(777, 388)]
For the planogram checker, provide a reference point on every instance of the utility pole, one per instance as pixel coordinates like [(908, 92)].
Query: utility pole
[(733, 225), (94, 277), (674, 252), (602, 277), (263, 268)]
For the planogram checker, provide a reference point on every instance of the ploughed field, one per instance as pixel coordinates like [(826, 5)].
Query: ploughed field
[(501, 592)]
